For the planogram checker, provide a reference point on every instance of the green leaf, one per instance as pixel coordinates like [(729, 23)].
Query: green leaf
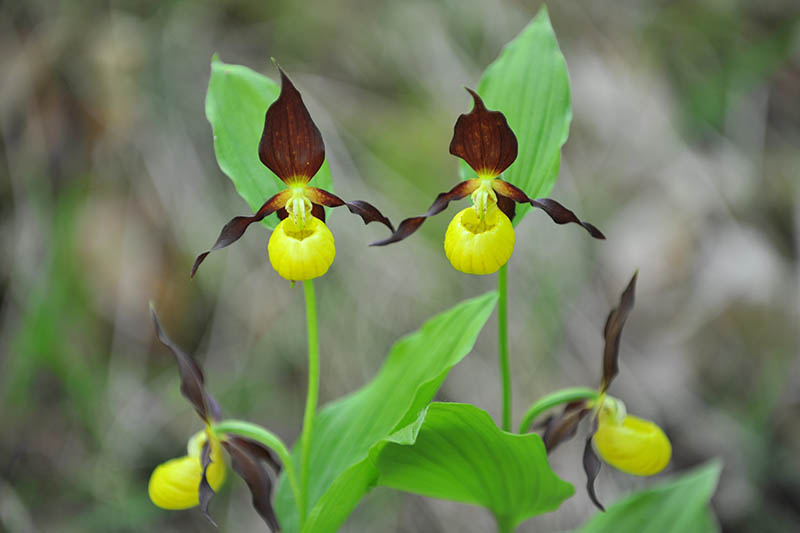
[(676, 506), (236, 103), (348, 430), (457, 452), (529, 83)]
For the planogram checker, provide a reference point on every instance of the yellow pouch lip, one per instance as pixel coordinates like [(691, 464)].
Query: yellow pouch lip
[(636, 446), (174, 484), (476, 246), (300, 254)]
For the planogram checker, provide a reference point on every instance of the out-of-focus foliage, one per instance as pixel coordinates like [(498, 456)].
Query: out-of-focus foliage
[(674, 507), (109, 187)]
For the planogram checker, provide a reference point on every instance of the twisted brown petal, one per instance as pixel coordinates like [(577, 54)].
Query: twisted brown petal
[(365, 210), (483, 139), (258, 451), (613, 332), (591, 465), (511, 191), (192, 380), (564, 426), (562, 215), (410, 225), (291, 145), (235, 228), (251, 468), (205, 492)]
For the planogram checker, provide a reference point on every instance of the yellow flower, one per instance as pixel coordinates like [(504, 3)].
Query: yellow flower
[(482, 242), (301, 252), (174, 484), (479, 245), (291, 147), (634, 445)]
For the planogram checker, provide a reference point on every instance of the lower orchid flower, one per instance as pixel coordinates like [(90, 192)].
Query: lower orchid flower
[(174, 485), (480, 239), (192, 480), (631, 444)]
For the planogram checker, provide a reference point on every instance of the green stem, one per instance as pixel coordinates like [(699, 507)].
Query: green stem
[(502, 336), (311, 396), (268, 439), (504, 525), (558, 397)]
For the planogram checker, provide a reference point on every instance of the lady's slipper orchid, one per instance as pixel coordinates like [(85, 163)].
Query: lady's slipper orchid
[(628, 443), (192, 480), (174, 484), (291, 146), (480, 239)]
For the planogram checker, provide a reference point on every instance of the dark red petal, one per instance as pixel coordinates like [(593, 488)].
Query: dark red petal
[(258, 450), (507, 206), (317, 211), (483, 139), (291, 145), (410, 225), (192, 380), (282, 213), (405, 229), (366, 211), (613, 332), (252, 469), (564, 426), (511, 191), (562, 215), (233, 230), (205, 492), (591, 465)]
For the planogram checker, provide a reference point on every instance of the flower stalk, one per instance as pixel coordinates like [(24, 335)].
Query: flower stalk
[(311, 395), (502, 342), (268, 439), (547, 402)]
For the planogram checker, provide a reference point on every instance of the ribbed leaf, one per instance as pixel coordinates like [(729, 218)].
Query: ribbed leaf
[(348, 430), (457, 452), (236, 103)]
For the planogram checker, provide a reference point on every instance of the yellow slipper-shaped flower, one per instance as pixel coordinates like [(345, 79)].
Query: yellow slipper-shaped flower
[(301, 251), (479, 246), (635, 446), (174, 484)]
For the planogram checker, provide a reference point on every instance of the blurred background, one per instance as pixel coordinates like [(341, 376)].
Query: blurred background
[(684, 149)]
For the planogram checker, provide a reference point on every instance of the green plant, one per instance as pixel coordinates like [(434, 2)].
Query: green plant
[(389, 433)]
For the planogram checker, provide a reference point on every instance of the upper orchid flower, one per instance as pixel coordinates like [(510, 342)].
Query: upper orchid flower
[(302, 246), (191, 480), (628, 443), (480, 239)]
